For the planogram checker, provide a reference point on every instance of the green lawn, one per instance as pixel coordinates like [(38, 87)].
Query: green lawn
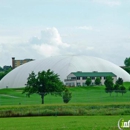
[(62, 123), (93, 94), (82, 98)]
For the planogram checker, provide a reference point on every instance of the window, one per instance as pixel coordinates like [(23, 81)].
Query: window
[(78, 78), (92, 77), (78, 84), (73, 77), (84, 78), (21, 62)]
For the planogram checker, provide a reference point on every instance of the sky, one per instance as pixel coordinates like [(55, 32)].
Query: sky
[(38, 29)]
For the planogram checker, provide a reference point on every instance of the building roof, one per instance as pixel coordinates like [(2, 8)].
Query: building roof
[(93, 74)]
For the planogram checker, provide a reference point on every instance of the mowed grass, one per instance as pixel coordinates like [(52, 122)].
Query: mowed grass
[(80, 96), (93, 94), (62, 123)]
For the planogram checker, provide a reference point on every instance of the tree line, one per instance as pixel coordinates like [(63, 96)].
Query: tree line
[(110, 87), (118, 87), (127, 65), (5, 70)]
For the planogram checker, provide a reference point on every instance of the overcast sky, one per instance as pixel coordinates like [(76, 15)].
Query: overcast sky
[(41, 28)]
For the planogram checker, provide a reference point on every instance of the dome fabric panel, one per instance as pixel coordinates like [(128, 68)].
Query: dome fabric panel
[(63, 66)]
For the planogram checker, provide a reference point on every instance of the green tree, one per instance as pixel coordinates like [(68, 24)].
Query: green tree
[(129, 88), (109, 85), (1, 69), (119, 81), (88, 81), (44, 83), (127, 69), (127, 61), (97, 81), (116, 88), (122, 89), (3, 73), (67, 96)]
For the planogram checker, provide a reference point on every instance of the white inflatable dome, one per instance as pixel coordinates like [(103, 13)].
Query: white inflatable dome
[(62, 65)]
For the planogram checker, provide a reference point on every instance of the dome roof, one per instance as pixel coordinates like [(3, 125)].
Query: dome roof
[(62, 65)]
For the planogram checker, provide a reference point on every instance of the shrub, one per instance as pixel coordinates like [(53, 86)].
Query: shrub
[(66, 96)]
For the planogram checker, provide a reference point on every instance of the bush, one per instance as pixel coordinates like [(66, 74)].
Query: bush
[(98, 81), (66, 96)]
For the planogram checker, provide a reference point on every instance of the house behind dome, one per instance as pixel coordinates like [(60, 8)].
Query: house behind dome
[(79, 78)]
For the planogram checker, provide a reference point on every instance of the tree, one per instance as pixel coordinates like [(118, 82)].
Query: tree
[(97, 81), (116, 88), (1, 69), (109, 85), (127, 69), (44, 83), (67, 96), (122, 90), (129, 88), (127, 62), (119, 81), (88, 81), (3, 73)]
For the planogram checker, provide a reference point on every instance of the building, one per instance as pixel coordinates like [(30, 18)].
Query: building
[(16, 63), (79, 78), (6, 67), (62, 66)]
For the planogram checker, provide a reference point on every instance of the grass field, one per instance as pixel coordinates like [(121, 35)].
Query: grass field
[(85, 101), (62, 123), (93, 94)]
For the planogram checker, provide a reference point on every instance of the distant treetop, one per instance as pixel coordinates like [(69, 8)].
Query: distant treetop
[(127, 62)]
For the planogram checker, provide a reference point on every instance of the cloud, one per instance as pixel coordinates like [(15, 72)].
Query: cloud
[(49, 36), (109, 2), (90, 48), (50, 42), (47, 50), (19, 50)]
